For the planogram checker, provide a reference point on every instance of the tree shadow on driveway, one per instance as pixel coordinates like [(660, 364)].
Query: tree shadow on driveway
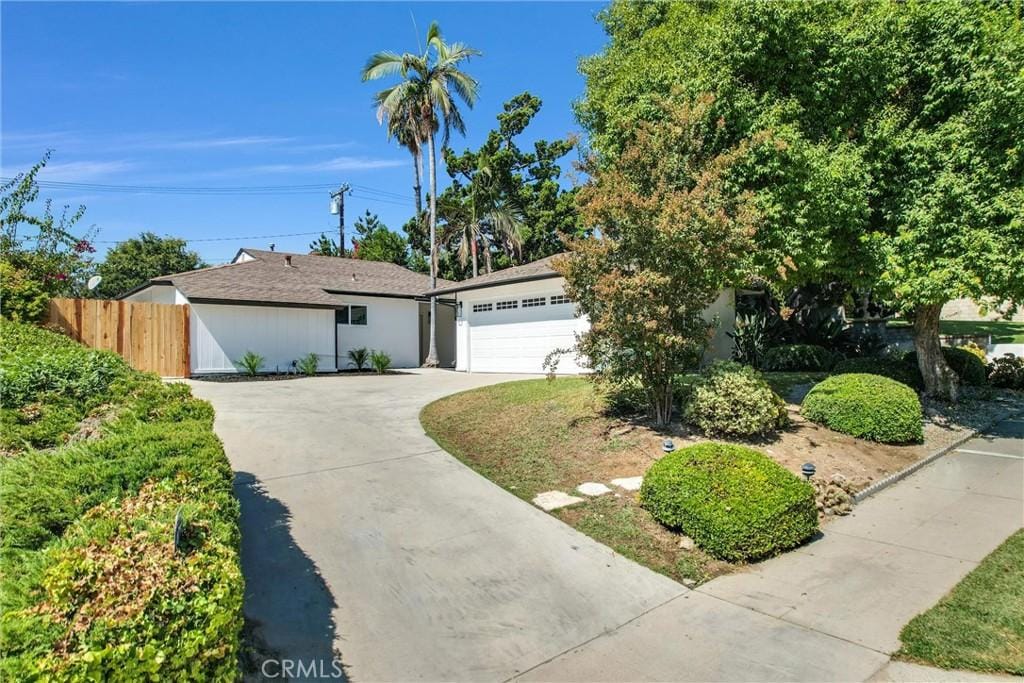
[(288, 607)]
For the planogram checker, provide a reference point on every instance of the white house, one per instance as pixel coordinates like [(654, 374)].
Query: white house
[(509, 321), (285, 306)]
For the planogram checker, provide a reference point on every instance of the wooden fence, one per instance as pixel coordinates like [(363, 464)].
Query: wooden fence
[(151, 337)]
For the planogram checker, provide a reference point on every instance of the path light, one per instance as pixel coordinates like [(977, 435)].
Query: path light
[(808, 470), (667, 446)]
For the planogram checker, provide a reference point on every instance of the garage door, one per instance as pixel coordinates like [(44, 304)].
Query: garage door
[(516, 335)]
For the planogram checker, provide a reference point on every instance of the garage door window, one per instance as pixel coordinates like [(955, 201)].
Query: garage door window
[(505, 305), (350, 315), (480, 308), (559, 299), (535, 301)]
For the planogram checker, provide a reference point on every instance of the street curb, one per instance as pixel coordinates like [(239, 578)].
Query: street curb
[(885, 483)]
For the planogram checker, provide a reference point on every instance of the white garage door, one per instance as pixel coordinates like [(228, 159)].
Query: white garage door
[(517, 334)]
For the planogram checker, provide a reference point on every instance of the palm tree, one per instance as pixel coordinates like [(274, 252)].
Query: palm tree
[(429, 86)]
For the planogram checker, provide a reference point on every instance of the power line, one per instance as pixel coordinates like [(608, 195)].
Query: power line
[(227, 239)]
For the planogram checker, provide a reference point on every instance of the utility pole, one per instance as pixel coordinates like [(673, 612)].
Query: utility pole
[(338, 207)]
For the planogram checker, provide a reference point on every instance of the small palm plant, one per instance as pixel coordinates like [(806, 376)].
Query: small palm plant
[(308, 364), (251, 363), (359, 358), (380, 361)]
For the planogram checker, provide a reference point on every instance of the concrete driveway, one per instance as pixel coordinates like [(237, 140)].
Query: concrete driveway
[(361, 536)]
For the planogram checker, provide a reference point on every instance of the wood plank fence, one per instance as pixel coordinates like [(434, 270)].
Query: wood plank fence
[(151, 337)]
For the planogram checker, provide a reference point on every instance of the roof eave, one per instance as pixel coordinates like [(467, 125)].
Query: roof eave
[(468, 285)]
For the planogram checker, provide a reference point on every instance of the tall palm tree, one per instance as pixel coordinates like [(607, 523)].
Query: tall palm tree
[(429, 85)]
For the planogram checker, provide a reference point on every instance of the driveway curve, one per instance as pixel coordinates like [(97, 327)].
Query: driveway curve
[(362, 537)]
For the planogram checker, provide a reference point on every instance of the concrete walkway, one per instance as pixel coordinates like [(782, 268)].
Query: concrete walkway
[(361, 537)]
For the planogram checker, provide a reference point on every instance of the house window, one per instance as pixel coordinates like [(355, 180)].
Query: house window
[(535, 301), (505, 305), (480, 308), (560, 299), (350, 315)]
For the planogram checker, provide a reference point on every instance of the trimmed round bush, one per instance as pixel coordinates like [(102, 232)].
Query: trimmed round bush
[(798, 358), (734, 400), (867, 407), (967, 366), (902, 372), (734, 502)]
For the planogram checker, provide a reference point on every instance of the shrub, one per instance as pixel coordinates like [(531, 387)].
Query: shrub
[(798, 358), (967, 366), (22, 297), (35, 362), (902, 372), (866, 406), (380, 361), (359, 358), (251, 363), (971, 347), (1007, 372), (308, 364), (733, 399), (628, 397), (735, 502)]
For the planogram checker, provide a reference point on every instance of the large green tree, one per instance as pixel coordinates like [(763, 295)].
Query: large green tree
[(507, 203), (135, 261), (430, 85), (892, 137), (373, 241)]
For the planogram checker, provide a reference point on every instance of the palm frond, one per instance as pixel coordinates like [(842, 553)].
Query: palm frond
[(382, 64)]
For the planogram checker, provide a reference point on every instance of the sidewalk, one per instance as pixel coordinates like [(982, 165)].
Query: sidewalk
[(833, 609)]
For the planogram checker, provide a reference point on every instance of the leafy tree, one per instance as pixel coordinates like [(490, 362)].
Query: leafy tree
[(507, 202), (430, 85), (374, 242), (40, 257), (324, 246), (894, 157), (135, 261), (673, 232)]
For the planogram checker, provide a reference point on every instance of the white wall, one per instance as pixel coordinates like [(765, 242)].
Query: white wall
[(517, 340), (220, 335), (392, 326), (158, 294), (446, 347)]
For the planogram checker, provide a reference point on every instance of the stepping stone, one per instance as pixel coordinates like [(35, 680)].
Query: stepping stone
[(552, 500), (628, 483), (592, 489)]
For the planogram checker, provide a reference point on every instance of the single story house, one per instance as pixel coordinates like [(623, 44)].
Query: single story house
[(285, 306), (510, 320)]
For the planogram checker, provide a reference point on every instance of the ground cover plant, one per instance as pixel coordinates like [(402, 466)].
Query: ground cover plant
[(92, 585), (979, 625), (867, 407), (733, 501)]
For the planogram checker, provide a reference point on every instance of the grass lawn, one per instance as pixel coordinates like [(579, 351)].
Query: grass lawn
[(1002, 331), (980, 624)]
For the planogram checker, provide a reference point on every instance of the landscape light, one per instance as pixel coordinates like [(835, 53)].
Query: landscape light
[(668, 446), (808, 470)]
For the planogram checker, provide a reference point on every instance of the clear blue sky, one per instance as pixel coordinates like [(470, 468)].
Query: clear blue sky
[(253, 94)]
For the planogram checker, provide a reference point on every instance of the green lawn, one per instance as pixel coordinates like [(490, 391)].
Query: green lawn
[(1002, 331), (980, 624)]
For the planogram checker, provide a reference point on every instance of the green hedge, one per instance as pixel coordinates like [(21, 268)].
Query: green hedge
[(734, 400), (735, 502), (898, 370), (866, 406), (798, 358), (967, 366), (90, 587)]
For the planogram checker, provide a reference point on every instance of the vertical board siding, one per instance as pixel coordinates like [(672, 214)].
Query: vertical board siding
[(151, 337)]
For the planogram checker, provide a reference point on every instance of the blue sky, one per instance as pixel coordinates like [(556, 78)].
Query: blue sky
[(253, 95)]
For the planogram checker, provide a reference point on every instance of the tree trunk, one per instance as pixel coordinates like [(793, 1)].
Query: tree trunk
[(475, 270), (939, 379), (418, 187), (661, 404), (431, 361)]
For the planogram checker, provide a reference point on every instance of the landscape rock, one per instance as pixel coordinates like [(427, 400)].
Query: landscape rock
[(628, 483), (686, 543), (552, 500), (592, 489)]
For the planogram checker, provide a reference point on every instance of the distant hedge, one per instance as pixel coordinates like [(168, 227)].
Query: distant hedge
[(735, 502), (967, 366), (798, 358), (898, 370), (867, 407)]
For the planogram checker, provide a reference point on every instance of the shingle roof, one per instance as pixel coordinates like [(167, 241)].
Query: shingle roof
[(535, 270), (311, 280)]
